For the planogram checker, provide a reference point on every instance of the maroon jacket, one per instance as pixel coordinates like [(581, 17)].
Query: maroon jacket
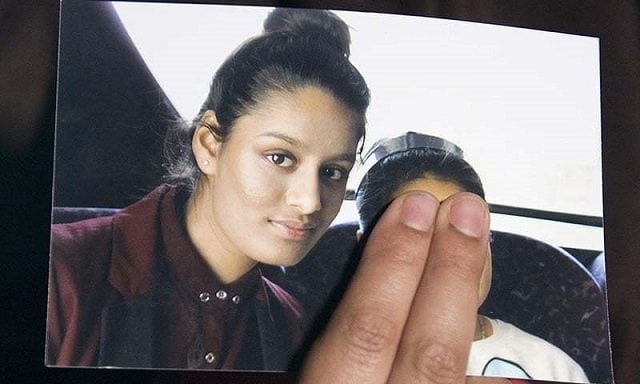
[(109, 294)]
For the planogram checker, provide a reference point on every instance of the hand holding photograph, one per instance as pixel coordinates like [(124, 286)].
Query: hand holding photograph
[(227, 176)]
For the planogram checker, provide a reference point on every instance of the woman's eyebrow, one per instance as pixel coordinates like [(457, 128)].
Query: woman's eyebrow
[(349, 157), (283, 137)]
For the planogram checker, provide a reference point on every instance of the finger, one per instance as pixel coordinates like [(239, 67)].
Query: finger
[(487, 380), (437, 338), (361, 339)]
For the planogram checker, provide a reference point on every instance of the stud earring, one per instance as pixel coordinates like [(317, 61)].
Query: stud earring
[(206, 162)]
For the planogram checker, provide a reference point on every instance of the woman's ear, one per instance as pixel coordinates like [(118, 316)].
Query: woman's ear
[(206, 143)]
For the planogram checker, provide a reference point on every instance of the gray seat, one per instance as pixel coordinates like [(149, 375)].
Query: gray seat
[(598, 270), (61, 215)]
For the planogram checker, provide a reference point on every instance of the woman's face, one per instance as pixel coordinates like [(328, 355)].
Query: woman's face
[(274, 186), (441, 190)]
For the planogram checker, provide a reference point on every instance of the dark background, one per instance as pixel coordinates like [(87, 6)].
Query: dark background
[(28, 53)]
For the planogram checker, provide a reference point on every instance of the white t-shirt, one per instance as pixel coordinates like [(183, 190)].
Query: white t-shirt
[(513, 353)]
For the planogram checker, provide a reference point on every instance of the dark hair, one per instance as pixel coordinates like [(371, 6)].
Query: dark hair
[(298, 47), (397, 169)]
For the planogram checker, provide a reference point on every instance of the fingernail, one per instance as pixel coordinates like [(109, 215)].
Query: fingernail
[(418, 211), (468, 215)]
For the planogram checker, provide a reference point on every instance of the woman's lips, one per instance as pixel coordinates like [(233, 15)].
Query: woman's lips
[(293, 230)]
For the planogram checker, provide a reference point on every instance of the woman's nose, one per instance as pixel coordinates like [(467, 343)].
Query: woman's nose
[(304, 193)]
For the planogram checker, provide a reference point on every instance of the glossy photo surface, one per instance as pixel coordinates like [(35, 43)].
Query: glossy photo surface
[(522, 104)]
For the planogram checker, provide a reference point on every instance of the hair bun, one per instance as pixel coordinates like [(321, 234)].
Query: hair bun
[(321, 24)]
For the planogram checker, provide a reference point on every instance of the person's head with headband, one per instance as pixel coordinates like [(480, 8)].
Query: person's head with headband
[(399, 164), (415, 162)]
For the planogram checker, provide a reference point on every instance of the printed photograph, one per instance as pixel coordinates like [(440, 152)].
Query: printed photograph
[(219, 168)]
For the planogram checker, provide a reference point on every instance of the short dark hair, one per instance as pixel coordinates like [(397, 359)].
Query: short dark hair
[(298, 47), (392, 172)]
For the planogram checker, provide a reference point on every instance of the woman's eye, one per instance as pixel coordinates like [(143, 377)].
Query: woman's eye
[(335, 174), (280, 160)]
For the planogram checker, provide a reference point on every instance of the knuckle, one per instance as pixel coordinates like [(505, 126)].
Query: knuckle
[(462, 265), (402, 258), (405, 252), (436, 362), (368, 334)]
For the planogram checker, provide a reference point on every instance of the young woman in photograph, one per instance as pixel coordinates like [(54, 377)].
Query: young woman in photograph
[(174, 280)]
